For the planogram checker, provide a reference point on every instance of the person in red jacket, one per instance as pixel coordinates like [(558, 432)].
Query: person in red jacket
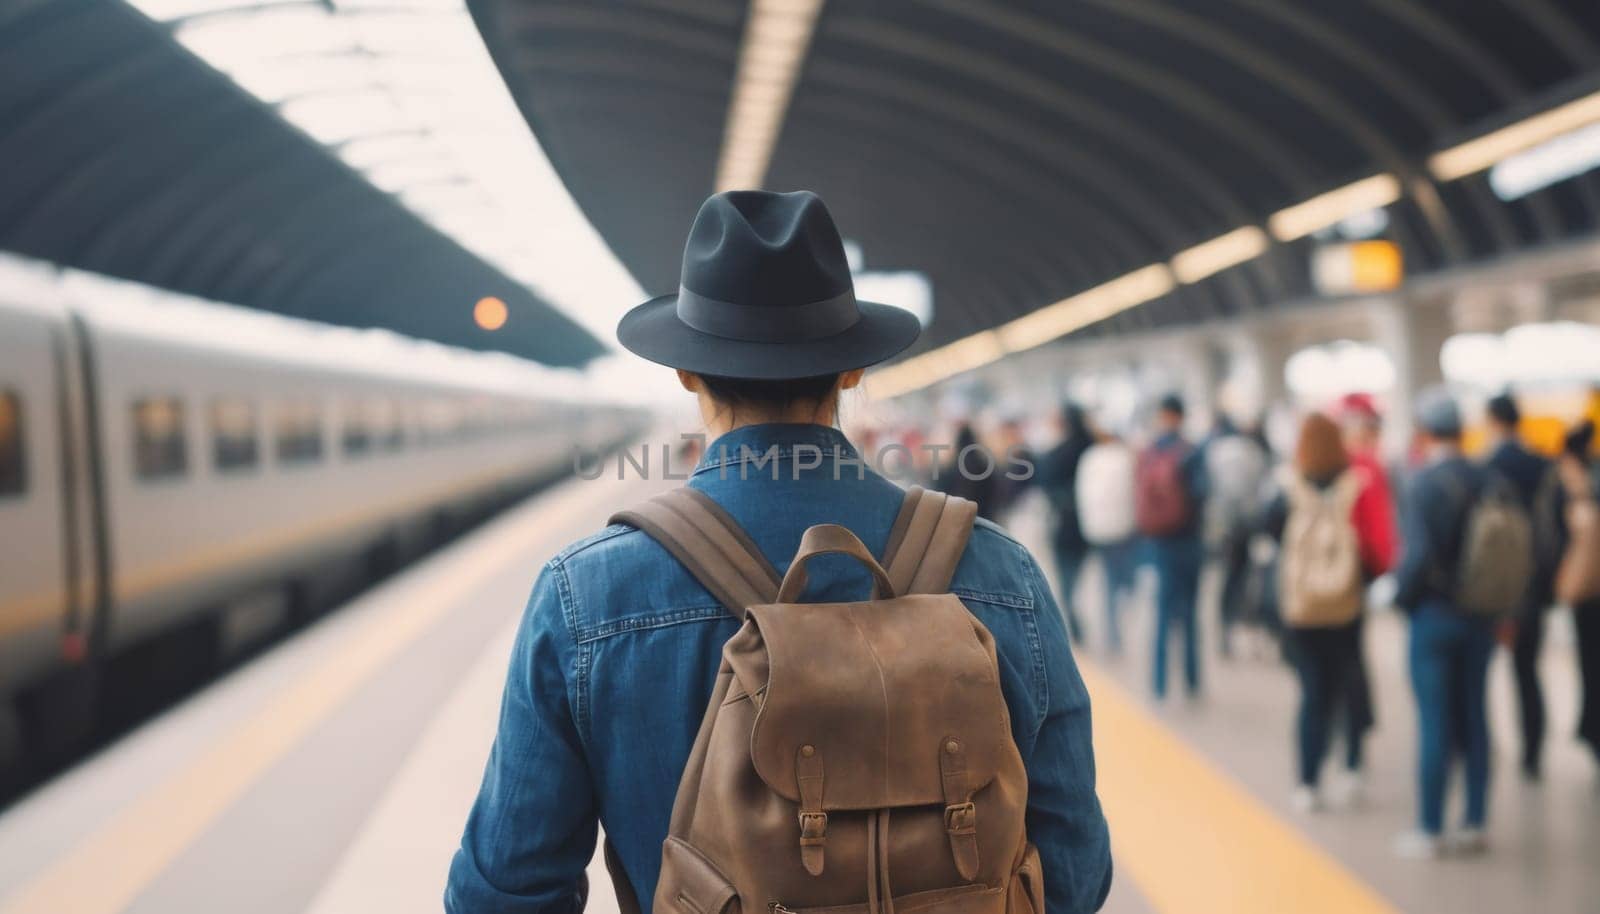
[(1374, 517), (1375, 509)]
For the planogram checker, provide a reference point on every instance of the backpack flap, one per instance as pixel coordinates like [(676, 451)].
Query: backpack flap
[(864, 701)]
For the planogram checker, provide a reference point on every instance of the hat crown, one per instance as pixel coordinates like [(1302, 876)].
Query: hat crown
[(759, 248)]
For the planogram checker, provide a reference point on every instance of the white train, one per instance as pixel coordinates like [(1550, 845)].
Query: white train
[(169, 465)]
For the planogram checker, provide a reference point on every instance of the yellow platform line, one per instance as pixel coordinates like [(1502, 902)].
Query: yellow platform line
[(1192, 838), (112, 865)]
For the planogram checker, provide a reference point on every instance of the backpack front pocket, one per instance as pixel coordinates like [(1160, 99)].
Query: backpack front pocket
[(691, 884)]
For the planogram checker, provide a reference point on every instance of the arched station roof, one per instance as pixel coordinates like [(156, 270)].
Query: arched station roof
[(123, 153), (1021, 153)]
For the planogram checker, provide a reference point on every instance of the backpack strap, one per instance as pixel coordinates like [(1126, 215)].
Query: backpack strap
[(926, 542), (702, 536)]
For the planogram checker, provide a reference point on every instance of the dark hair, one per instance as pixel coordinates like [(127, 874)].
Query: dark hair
[(1076, 421), (965, 438), (768, 395), (1578, 439), (1503, 409), (1172, 403)]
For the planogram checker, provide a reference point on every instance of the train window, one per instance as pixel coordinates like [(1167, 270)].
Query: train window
[(356, 434), (160, 448), (388, 427), (235, 443), (299, 433), (13, 472), (441, 421)]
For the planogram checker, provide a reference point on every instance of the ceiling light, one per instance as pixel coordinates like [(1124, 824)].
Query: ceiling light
[(1482, 152), (490, 313), (272, 81), (1087, 307), (1564, 157), (231, 39), (366, 151), (338, 116), (1326, 209), (934, 365), (168, 10), (775, 39), (1218, 254), (397, 176)]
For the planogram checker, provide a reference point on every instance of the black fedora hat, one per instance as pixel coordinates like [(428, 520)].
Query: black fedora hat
[(765, 294)]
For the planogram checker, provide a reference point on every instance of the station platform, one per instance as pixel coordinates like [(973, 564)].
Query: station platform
[(332, 774)]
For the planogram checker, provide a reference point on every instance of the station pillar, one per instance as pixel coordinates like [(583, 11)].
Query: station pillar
[(1255, 383), (1191, 367), (1412, 330)]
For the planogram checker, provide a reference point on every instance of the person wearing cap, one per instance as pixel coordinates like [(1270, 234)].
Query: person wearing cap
[(1448, 649), (1375, 509), (619, 645), (1375, 518), (1530, 476)]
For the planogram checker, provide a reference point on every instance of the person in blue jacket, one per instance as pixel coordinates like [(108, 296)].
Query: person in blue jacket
[(619, 644), (1448, 649), (1174, 549)]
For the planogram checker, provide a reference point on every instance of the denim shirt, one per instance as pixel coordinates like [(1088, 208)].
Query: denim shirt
[(1433, 518), (619, 647)]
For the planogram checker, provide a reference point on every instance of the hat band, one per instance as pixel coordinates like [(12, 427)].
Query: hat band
[(769, 323)]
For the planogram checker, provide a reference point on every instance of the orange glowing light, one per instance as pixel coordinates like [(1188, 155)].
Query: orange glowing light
[(490, 313)]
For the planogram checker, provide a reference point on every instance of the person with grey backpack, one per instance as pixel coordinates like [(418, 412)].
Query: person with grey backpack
[(1466, 565)]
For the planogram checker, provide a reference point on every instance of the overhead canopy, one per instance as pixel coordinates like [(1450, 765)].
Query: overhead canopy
[(123, 153), (1020, 154)]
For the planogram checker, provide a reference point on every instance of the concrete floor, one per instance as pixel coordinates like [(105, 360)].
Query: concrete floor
[(332, 774)]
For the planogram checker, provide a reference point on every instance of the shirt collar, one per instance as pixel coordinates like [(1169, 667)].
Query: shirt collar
[(751, 443)]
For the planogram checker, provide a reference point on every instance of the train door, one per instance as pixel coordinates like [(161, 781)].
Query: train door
[(41, 564)]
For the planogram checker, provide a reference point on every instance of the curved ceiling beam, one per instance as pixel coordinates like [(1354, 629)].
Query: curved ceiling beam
[(1015, 263), (85, 178), (867, 121), (1558, 28), (695, 44), (1093, 173), (1050, 96), (68, 108), (1182, 96), (686, 41), (1499, 79), (180, 188), (1327, 104), (928, 101), (1423, 105), (1173, 229), (1046, 267), (195, 227), (1018, 181)]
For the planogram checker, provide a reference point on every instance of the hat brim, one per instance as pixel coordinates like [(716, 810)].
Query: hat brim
[(653, 331)]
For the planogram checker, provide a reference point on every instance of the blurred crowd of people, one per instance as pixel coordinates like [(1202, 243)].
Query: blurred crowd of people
[(1475, 549)]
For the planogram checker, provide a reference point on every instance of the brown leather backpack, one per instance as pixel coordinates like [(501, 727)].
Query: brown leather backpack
[(855, 758)]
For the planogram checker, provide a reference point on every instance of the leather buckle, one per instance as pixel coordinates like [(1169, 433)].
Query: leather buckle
[(813, 827), (961, 818)]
